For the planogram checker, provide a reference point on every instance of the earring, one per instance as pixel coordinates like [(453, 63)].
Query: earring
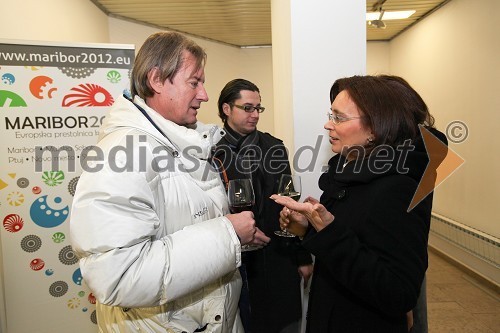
[(369, 141)]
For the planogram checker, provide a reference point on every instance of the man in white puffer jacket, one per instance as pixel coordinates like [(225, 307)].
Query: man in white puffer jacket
[(150, 219)]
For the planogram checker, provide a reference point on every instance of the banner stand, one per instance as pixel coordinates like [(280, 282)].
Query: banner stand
[(53, 98)]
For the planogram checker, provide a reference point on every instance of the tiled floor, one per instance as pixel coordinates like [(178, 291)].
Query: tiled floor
[(457, 302)]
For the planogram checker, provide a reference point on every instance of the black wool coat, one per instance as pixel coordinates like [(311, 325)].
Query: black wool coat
[(272, 272), (371, 260)]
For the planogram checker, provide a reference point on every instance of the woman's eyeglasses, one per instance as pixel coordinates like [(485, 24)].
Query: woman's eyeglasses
[(336, 119)]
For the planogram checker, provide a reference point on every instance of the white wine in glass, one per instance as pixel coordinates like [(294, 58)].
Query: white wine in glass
[(289, 186)]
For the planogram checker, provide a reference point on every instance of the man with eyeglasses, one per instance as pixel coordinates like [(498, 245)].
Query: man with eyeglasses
[(271, 298)]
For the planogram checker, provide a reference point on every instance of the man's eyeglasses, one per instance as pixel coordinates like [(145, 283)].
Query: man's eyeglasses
[(250, 108), (336, 119)]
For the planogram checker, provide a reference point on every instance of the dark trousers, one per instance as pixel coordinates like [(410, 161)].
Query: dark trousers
[(420, 311)]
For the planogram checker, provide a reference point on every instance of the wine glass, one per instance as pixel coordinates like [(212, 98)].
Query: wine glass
[(241, 197), (289, 186)]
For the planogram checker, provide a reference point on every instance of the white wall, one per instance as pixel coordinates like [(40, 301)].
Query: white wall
[(315, 64), (378, 58), (53, 20), (256, 65), (452, 58)]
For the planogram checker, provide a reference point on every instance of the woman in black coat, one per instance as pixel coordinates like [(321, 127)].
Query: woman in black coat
[(368, 235)]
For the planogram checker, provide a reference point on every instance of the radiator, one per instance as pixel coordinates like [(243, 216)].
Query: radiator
[(475, 242)]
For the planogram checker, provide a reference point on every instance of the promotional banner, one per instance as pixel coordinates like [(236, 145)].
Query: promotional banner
[(52, 101)]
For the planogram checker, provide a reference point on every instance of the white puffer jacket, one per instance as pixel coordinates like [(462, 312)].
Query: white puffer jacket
[(148, 223)]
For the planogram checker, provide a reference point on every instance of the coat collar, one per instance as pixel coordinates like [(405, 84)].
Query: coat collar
[(197, 141)]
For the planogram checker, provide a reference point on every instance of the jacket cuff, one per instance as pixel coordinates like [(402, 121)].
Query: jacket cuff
[(235, 238)]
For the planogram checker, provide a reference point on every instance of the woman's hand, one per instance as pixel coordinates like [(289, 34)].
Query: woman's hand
[(294, 222), (409, 320), (311, 209), (305, 272)]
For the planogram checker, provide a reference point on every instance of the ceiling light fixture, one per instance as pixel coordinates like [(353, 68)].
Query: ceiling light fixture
[(389, 15), (378, 23), (375, 17)]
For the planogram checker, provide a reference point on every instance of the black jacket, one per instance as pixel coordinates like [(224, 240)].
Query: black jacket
[(371, 260), (273, 278)]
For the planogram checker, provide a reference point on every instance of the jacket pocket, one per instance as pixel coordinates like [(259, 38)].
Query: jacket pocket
[(207, 312), (215, 315)]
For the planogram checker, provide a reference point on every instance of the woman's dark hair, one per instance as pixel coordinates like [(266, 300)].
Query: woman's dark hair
[(231, 92), (390, 107)]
